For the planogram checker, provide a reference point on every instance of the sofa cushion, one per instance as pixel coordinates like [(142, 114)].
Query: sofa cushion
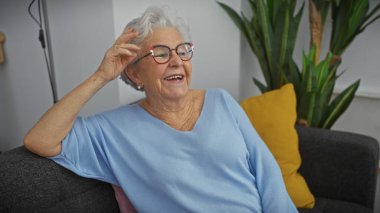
[(323, 205), (30, 183), (273, 115), (339, 165), (124, 203)]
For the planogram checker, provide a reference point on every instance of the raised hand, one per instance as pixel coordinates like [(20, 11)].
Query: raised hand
[(118, 56), (45, 137)]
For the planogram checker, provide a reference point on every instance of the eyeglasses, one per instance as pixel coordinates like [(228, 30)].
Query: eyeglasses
[(162, 54)]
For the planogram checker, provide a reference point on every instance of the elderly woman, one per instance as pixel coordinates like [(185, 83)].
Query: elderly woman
[(176, 150)]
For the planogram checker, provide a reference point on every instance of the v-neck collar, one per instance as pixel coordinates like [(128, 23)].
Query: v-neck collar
[(161, 123)]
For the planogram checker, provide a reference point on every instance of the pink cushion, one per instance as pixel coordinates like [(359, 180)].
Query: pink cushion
[(125, 205)]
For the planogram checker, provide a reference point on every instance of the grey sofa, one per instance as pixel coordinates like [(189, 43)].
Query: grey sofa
[(340, 169)]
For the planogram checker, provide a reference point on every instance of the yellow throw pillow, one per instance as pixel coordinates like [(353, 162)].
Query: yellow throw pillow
[(273, 114)]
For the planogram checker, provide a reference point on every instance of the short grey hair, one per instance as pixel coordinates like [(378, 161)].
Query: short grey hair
[(154, 16)]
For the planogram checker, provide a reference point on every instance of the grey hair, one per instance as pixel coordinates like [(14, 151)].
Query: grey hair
[(154, 16)]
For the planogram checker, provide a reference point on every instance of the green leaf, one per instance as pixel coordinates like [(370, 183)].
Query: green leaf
[(349, 20), (272, 10), (293, 31), (250, 36), (260, 85), (325, 97), (357, 16), (257, 48), (284, 39), (369, 23), (377, 8), (266, 29), (294, 75), (310, 108), (233, 15), (323, 70), (253, 5), (340, 104)]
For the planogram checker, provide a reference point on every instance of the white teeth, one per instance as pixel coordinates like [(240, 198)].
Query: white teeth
[(172, 77)]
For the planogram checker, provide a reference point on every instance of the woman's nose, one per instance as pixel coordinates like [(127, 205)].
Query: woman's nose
[(175, 60)]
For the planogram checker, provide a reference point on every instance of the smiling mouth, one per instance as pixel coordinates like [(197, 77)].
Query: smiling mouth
[(176, 77)]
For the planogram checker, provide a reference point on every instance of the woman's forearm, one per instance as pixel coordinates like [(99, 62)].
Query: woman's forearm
[(45, 137)]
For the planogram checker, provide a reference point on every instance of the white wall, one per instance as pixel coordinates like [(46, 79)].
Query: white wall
[(217, 42), (24, 87), (77, 50), (81, 32)]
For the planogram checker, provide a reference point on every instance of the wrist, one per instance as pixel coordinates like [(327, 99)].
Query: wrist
[(98, 79)]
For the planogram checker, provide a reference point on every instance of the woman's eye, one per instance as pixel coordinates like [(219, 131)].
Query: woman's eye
[(184, 53), (161, 55)]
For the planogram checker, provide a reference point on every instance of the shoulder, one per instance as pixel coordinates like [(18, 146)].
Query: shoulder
[(217, 92), (227, 101), (220, 94), (116, 115), (221, 99)]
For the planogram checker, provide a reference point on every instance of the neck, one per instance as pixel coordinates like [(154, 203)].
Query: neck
[(176, 113), (164, 107)]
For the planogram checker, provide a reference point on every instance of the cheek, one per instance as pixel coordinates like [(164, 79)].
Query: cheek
[(188, 69), (147, 71), (152, 80), (151, 77)]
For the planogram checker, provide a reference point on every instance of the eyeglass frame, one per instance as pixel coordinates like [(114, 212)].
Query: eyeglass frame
[(151, 53)]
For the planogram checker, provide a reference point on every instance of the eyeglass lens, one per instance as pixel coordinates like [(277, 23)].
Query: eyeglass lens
[(162, 54)]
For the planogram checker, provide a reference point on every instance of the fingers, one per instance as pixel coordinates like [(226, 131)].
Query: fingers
[(119, 55), (132, 47), (125, 50), (122, 47), (127, 36)]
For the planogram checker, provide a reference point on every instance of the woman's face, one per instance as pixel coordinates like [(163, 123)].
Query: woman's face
[(164, 81)]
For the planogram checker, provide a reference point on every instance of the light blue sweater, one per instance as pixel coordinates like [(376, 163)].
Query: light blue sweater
[(221, 165)]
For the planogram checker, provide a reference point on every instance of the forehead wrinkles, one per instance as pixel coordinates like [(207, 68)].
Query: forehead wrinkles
[(168, 36)]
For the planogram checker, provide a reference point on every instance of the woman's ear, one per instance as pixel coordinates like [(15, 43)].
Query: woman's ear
[(131, 73)]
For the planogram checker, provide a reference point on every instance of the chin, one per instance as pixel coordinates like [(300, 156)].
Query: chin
[(177, 93)]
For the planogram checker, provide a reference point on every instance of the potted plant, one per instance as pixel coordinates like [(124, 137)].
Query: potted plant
[(271, 33)]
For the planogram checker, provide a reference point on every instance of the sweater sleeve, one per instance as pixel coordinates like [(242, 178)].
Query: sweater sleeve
[(83, 151), (269, 181)]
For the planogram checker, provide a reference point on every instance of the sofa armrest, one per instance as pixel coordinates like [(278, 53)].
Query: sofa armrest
[(30, 183), (339, 165)]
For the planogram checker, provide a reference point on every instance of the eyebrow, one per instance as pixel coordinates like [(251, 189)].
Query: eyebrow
[(163, 45)]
